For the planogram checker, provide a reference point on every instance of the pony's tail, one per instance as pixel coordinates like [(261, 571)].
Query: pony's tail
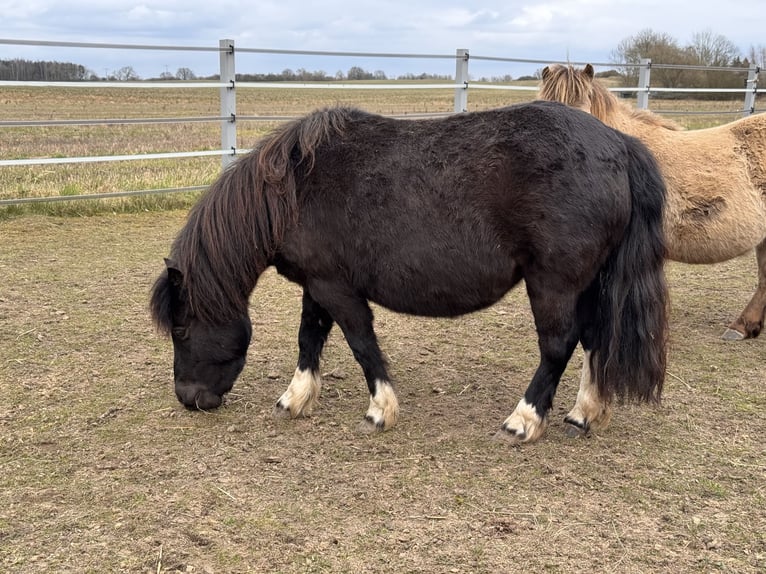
[(629, 354)]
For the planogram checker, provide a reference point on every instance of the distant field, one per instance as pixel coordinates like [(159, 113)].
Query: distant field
[(120, 103)]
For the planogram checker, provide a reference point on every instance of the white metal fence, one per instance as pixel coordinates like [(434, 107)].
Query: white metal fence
[(227, 87)]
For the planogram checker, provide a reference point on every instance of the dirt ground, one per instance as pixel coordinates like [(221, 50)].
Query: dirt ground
[(101, 470)]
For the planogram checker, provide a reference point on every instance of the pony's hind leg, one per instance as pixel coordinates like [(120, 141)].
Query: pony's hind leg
[(750, 323), (590, 411), (558, 336), (302, 394)]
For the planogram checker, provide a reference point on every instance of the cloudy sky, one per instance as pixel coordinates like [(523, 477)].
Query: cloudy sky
[(549, 30)]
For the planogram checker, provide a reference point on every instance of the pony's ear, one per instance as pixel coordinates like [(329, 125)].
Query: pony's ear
[(588, 70), (160, 304), (175, 276), (546, 72)]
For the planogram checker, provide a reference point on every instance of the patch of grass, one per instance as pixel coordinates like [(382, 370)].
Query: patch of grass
[(712, 489), (71, 189)]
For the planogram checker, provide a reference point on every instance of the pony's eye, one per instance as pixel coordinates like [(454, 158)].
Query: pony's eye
[(181, 333)]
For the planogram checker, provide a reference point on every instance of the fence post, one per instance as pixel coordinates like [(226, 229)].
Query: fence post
[(751, 85), (228, 102), (461, 77), (644, 72)]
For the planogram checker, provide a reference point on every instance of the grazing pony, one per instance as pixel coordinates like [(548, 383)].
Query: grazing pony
[(427, 217), (716, 180)]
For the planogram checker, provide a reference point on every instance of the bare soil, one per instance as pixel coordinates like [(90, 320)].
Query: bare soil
[(101, 470)]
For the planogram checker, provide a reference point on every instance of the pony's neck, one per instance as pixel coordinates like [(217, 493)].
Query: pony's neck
[(622, 116)]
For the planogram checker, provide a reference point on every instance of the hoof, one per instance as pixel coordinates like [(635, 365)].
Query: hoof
[(575, 429), (732, 335), (369, 426), (524, 425), (509, 436), (384, 409), (280, 412)]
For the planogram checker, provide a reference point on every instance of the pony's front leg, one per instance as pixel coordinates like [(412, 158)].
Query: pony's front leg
[(302, 394), (383, 411), (354, 317), (590, 411), (750, 323)]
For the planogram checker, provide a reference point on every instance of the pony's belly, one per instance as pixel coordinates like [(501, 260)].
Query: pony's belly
[(718, 232), (443, 297)]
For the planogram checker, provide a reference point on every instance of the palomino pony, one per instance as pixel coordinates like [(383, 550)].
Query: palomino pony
[(427, 217), (716, 180)]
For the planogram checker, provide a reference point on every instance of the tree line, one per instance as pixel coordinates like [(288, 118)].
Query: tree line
[(34, 71), (40, 71)]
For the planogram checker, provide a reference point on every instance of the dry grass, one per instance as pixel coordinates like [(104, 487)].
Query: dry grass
[(102, 471)]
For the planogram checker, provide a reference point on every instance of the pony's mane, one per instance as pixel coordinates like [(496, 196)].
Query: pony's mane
[(235, 229), (568, 85)]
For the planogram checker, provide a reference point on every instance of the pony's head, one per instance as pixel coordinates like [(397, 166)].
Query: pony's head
[(231, 236), (568, 85), (207, 356)]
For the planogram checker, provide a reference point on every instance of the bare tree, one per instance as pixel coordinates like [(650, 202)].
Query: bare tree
[(708, 49), (660, 47), (185, 74), (126, 74), (757, 56), (357, 73)]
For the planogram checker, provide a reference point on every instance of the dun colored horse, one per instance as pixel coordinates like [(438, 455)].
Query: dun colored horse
[(428, 217), (715, 177)]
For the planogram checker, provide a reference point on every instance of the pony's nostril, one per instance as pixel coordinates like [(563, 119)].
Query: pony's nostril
[(206, 400), (187, 395), (196, 397)]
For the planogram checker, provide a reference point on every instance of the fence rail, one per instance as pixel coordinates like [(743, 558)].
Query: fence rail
[(227, 86)]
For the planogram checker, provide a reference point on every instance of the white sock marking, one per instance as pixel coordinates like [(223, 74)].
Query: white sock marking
[(302, 394), (524, 422), (590, 410), (384, 406)]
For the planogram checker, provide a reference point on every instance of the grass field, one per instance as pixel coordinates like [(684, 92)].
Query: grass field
[(21, 103)]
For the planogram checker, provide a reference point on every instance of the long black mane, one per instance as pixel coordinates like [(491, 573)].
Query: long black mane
[(235, 228)]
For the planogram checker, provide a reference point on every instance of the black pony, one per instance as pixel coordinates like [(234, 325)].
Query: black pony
[(428, 217)]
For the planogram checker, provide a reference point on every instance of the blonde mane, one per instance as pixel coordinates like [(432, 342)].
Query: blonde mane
[(579, 89)]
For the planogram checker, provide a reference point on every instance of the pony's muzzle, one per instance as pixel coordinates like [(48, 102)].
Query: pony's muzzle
[(195, 397)]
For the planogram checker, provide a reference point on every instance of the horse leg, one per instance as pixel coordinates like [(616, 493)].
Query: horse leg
[(750, 323), (302, 394), (354, 317), (383, 411), (590, 410), (557, 339)]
